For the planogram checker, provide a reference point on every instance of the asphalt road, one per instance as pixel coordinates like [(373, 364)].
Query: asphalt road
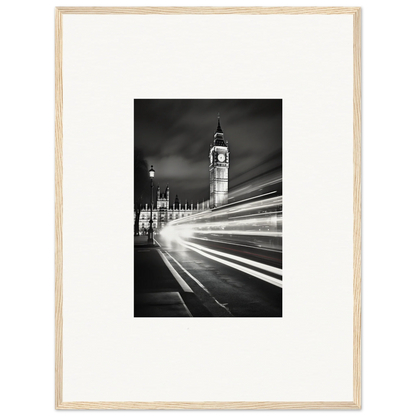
[(218, 282)]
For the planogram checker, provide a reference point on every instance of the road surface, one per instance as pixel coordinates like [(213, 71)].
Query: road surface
[(219, 278)]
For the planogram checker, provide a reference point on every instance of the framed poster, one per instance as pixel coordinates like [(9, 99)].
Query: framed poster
[(201, 155)]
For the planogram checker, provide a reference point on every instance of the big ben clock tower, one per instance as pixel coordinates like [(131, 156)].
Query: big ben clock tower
[(219, 163)]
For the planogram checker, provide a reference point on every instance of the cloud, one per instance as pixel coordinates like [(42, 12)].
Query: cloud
[(177, 167), (175, 135)]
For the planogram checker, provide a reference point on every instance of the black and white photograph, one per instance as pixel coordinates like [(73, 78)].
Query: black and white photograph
[(207, 218), (176, 128)]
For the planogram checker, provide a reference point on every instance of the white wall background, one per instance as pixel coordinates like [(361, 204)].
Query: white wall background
[(203, 360)]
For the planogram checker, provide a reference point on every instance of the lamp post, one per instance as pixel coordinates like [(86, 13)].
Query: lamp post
[(151, 175)]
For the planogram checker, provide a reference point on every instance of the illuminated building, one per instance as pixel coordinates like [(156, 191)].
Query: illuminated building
[(163, 212)]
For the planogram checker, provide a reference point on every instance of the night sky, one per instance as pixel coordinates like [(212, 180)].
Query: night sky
[(174, 136)]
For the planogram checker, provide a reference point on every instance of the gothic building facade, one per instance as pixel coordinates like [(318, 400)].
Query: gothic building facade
[(163, 211)]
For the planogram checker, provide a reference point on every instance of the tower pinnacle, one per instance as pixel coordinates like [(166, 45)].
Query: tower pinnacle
[(219, 129)]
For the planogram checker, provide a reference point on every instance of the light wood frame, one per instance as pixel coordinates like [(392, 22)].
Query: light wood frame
[(356, 13)]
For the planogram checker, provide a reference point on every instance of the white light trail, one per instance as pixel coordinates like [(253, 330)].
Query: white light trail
[(252, 263), (260, 214), (236, 266), (258, 219), (242, 205), (232, 243), (237, 232), (249, 199)]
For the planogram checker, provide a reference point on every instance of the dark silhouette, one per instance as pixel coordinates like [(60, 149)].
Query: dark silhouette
[(141, 185)]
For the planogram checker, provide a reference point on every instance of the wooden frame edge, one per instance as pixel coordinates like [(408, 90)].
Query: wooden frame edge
[(209, 405), (208, 10), (58, 210), (356, 13), (357, 208)]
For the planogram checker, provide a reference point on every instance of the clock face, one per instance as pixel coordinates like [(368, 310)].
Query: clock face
[(221, 157)]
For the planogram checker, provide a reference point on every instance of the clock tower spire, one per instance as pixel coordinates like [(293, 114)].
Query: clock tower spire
[(219, 130), (219, 163)]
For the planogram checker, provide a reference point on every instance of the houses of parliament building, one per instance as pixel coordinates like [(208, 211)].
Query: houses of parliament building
[(163, 211)]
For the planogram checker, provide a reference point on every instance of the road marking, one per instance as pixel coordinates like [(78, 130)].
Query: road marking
[(199, 283), (176, 275), (186, 308), (251, 272)]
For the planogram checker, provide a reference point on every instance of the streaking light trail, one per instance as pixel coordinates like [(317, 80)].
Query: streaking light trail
[(244, 269), (252, 263), (255, 221)]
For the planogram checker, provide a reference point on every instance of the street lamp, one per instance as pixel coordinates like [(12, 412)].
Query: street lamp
[(151, 175)]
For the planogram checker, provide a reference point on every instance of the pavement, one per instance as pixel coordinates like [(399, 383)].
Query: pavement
[(158, 289), (142, 241)]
